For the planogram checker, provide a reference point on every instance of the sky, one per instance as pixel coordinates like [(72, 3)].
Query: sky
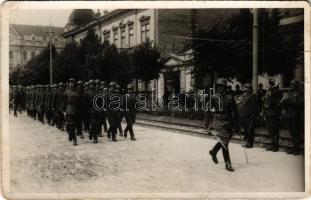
[(57, 17)]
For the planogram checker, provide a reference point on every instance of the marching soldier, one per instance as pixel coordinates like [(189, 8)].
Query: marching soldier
[(271, 113), (81, 108), (225, 115), (119, 114), (17, 99), (61, 97), (112, 113), (104, 89), (247, 112), (293, 106), (71, 107), (95, 115), (129, 112), (86, 114)]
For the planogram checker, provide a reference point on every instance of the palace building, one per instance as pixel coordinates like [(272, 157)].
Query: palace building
[(27, 41)]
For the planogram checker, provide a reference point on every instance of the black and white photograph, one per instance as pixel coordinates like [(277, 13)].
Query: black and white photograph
[(144, 100)]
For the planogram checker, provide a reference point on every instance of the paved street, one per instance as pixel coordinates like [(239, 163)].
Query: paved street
[(42, 159)]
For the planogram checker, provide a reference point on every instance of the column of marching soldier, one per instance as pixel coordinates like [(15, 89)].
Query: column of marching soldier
[(71, 107)]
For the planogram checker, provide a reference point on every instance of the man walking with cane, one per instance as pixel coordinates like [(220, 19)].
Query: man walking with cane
[(247, 111), (224, 116)]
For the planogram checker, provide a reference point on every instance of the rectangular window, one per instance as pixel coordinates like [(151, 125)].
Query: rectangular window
[(131, 36), (107, 36), (123, 38), (25, 55), (11, 54), (145, 31), (115, 37), (33, 54)]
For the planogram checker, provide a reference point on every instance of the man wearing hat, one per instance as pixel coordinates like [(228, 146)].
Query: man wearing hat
[(293, 106), (104, 90), (247, 111), (271, 113), (112, 114), (86, 114), (224, 115), (129, 111), (81, 108), (119, 114), (17, 99), (95, 117), (71, 107)]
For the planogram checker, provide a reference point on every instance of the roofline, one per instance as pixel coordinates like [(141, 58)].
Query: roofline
[(103, 18)]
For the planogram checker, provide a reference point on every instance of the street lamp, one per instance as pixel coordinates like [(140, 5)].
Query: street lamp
[(50, 32)]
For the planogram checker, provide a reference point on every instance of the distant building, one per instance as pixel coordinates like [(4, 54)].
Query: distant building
[(27, 41)]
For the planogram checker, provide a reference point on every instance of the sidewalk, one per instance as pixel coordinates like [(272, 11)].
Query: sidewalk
[(196, 126)]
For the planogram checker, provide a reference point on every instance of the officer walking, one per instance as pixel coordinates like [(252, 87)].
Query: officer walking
[(225, 116), (271, 113), (293, 106), (247, 112)]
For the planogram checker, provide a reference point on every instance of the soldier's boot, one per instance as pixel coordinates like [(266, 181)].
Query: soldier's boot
[(100, 135), (82, 136), (109, 133), (95, 139), (132, 134), (125, 133), (114, 133), (75, 142), (229, 167), (214, 157)]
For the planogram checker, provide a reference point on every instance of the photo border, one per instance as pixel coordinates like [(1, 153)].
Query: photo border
[(4, 91)]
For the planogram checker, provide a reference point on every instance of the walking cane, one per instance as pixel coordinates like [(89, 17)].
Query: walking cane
[(243, 147)]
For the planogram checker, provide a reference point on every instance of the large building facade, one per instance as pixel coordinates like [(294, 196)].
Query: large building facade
[(170, 30), (27, 41)]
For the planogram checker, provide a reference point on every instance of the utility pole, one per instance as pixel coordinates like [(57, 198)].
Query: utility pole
[(50, 32), (255, 50)]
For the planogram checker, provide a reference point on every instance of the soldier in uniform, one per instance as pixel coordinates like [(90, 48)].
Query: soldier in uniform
[(95, 115), (129, 112), (86, 114), (271, 113), (61, 120), (247, 111), (17, 99), (99, 90), (81, 108), (70, 109), (104, 89), (293, 105), (37, 102), (224, 115), (119, 114), (112, 113)]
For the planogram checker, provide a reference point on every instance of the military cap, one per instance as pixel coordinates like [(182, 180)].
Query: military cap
[(118, 86), (221, 81), (112, 84), (91, 81), (80, 82), (86, 83), (71, 80), (97, 81), (248, 87), (60, 84), (103, 82)]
